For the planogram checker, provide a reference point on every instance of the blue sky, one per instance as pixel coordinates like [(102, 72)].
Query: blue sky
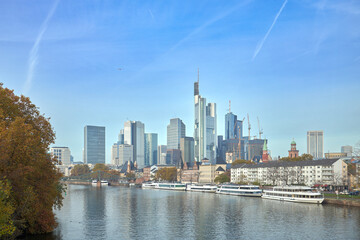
[(294, 64)]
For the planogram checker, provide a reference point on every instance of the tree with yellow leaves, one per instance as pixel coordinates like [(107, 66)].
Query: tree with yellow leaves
[(34, 187)]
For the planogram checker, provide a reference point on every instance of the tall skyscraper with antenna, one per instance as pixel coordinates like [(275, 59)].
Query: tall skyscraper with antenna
[(205, 130)]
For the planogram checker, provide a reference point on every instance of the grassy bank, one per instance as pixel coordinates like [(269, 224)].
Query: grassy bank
[(341, 196)]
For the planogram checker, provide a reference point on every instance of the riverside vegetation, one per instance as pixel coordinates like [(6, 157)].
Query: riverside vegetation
[(29, 181)]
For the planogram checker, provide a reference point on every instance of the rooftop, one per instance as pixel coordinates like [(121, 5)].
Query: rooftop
[(322, 162)]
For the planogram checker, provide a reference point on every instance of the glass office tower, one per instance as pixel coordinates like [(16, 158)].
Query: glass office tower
[(151, 142), (175, 131), (94, 144)]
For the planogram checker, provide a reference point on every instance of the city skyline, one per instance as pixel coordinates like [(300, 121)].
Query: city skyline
[(293, 64)]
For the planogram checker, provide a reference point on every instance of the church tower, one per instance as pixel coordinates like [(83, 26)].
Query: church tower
[(293, 153), (265, 155)]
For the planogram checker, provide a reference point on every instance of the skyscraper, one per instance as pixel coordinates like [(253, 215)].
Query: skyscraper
[(134, 135), (187, 149), (94, 144), (151, 141), (175, 131), (211, 132), (121, 137), (315, 144), (162, 154), (347, 149), (63, 154), (120, 153), (232, 126), (205, 129)]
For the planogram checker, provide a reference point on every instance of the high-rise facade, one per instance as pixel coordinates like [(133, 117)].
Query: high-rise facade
[(114, 154), (63, 154), (205, 128), (126, 153), (233, 127), (151, 143), (134, 134), (347, 149), (175, 131), (315, 144), (187, 149), (94, 144), (121, 137), (173, 156), (162, 154), (211, 132)]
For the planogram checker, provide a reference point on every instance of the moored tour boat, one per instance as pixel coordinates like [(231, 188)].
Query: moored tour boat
[(171, 186), (240, 190), (96, 183), (148, 185), (201, 188), (294, 194)]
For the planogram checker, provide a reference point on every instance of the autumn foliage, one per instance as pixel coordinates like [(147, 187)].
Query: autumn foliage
[(166, 174), (26, 165)]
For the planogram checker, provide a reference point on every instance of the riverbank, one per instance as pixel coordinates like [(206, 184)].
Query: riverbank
[(343, 202)]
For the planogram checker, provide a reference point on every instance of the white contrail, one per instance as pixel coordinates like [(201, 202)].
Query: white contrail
[(33, 56), (259, 46)]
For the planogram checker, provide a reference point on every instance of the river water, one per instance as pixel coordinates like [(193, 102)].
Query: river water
[(133, 213)]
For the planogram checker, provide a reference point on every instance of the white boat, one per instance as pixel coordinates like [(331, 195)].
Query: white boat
[(148, 185), (294, 194), (171, 186), (102, 183), (240, 190), (201, 188)]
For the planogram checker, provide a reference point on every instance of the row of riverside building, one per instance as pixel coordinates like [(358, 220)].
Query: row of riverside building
[(310, 173)]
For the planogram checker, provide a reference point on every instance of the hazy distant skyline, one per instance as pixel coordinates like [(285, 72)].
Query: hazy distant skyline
[(294, 64)]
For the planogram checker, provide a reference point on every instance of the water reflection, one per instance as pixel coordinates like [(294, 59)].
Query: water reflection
[(94, 213), (128, 213)]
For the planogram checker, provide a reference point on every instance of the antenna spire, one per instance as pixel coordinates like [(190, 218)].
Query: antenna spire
[(198, 75), (229, 106)]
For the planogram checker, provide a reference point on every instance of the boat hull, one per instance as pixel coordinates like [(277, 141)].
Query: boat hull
[(243, 194), (148, 186), (294, 199), (173, 187)]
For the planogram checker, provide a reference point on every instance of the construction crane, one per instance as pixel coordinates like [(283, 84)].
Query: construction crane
[(260, 129), (249, 127)]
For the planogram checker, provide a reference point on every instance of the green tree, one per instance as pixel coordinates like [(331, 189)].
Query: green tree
[(166, 174), (25, 136), (241, 161), (81, 169), (222, 178), (100, 171), (130, 176), (100, 167), (304, 157), (7, 209)]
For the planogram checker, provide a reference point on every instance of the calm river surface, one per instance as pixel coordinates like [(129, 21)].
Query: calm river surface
[(133, 213)]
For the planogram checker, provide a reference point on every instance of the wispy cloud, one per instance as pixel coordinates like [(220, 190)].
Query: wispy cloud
[(348, 7), (261, 43), (34, 52), (151, 14), (207, 24)]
